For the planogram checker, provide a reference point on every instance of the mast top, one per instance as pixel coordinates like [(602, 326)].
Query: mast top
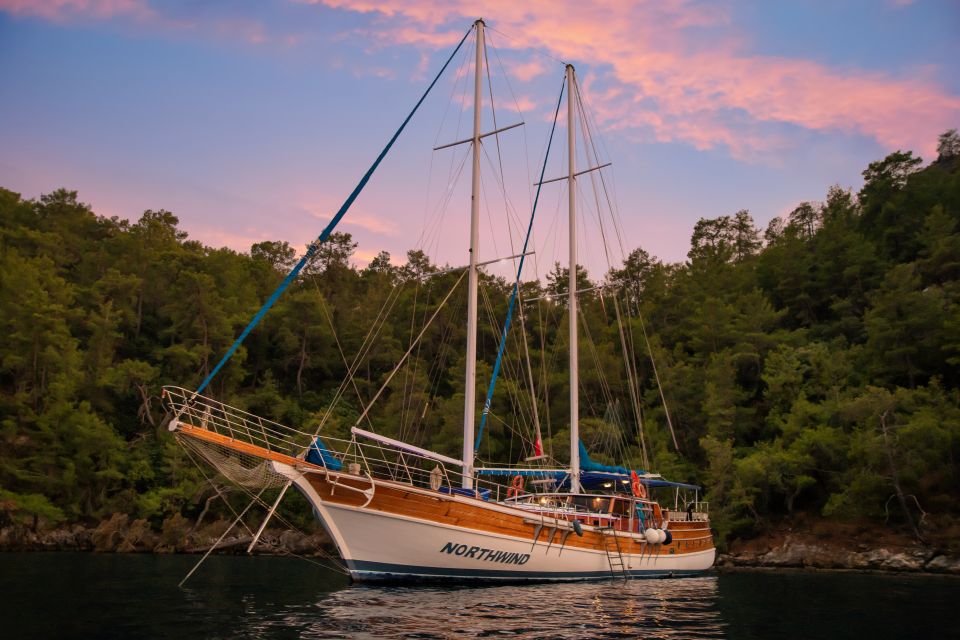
[(478, 22)]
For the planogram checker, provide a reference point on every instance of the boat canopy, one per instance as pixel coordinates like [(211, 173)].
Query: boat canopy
[(605, 480), (593, 475), (601, 476), (588, 479)]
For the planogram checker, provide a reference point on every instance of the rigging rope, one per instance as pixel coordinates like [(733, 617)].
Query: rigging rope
[(386, 382), (516, 284), (369, 342), (663, 398), (538, 436), (343, 356), (327, 231), (656, 375), (628, 354)]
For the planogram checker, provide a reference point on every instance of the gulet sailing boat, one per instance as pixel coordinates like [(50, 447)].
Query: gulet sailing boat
[(400, 512)]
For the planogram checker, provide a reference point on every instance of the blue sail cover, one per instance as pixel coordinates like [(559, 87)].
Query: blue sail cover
[(587, 463), (320, 455)]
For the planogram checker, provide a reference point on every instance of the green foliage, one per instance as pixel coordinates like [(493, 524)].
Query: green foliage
[(814, 371), (29, 509)]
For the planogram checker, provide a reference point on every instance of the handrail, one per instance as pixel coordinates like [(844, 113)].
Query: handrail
[(381, 457)]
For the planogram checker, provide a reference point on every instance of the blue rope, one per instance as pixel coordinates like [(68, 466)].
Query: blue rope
[(516, 284), (327, 231)]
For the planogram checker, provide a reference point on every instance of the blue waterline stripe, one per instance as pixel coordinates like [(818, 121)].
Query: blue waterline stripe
[(387, 571)]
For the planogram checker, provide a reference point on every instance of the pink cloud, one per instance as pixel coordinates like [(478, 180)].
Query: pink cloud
[(250, 31), (361, 258), (360, 220), (525, 104), (139, 12), (65, 10), (214, 236), (526, 70), (669, 82), (661, 70)]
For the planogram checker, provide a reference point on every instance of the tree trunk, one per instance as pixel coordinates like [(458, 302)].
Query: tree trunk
[(303, 359), (206, 357), (206, 507), (136, 330), (895, 477), (145, 406)]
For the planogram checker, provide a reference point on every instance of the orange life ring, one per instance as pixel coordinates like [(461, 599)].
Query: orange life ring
[(637, 487), (516, 487)]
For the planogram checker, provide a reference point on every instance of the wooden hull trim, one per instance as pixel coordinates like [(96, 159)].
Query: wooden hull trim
[(403, 500)]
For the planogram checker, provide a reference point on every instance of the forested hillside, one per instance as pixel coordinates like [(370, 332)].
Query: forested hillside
[(813, 367)]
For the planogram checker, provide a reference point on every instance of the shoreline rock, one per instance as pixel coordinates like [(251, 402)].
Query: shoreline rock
[(73, 538), (120, 535), (798, 552)]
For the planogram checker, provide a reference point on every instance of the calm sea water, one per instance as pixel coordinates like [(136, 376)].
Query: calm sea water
[(128, 596)]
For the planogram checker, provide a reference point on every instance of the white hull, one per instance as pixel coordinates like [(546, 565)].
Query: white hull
[(386, 546)]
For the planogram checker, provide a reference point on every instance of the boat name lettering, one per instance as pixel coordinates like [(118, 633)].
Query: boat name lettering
[(482, 553)]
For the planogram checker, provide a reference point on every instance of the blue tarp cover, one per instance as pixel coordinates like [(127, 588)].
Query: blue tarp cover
[(483, 494), (320, 455), (506, 471)]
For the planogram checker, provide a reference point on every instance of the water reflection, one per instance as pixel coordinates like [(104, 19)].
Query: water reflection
[(681, 608)]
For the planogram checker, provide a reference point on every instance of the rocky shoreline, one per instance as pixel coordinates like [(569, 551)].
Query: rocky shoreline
[(802, 555), (119, 534), (834, 546), (796, 550)]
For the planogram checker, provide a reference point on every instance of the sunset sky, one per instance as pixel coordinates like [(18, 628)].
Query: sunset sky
[(253, 120)]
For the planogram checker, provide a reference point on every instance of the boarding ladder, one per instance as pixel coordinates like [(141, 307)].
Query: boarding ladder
[(611, 546)]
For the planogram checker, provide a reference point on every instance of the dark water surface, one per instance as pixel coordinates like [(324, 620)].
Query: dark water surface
[(130, 596)]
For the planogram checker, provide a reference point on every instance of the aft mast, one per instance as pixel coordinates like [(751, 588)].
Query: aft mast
[(572, 293), (470, 390)]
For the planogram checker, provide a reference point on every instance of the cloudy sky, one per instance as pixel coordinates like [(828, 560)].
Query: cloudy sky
[(253, 119)]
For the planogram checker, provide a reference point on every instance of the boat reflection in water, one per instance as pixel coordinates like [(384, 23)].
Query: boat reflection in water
[(667, 608)]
